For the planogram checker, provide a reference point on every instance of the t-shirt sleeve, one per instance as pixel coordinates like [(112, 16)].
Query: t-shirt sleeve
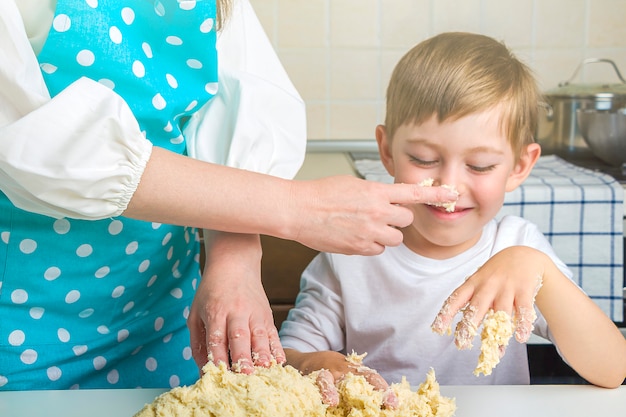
[(316, 321)]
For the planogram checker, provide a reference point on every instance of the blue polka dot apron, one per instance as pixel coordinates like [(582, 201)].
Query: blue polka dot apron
[(103, 304)]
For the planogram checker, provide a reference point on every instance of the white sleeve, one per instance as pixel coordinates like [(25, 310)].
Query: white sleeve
[(317, 321), (80, 154), (257, 119)]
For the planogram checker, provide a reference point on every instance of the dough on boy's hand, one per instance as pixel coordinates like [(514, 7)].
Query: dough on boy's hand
[(495, 336), (428, 182)]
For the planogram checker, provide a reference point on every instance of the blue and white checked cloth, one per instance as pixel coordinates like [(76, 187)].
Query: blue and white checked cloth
[(580, 211)]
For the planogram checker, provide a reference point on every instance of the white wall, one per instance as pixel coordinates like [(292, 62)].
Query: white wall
[(340, 53)]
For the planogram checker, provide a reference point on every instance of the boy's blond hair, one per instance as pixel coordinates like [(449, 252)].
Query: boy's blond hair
[(456, 74), (223, 9)]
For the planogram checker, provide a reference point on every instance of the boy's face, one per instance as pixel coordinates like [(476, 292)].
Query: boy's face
[(471, 154)]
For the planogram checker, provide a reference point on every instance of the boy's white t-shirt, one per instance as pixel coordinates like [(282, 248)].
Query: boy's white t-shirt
[(384, 305)]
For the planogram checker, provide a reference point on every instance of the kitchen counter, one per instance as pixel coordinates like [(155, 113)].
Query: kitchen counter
[(472, 401)]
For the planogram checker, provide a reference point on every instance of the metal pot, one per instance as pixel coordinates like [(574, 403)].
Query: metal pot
[(559, 131), (604, 132)]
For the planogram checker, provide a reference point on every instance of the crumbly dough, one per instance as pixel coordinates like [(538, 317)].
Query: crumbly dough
[(428, 182), (495, 336), (283, 391)]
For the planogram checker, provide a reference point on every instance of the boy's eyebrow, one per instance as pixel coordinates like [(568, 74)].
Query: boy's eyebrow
[(477, 149)]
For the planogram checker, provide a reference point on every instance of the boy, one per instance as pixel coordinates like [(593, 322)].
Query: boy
[(462, 111)]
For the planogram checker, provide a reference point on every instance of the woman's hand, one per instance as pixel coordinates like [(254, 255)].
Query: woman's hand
[(348, 215), (230, 317), (333, 366), (508, 282)]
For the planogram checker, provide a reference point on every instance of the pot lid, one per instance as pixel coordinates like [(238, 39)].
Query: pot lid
[(567, 89)]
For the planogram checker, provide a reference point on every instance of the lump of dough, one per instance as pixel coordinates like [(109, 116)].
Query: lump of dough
[(284, 391), (495, 336), (428, 182)]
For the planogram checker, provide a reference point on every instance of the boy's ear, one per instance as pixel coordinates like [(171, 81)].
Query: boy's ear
[(522, 169), (384, 149)]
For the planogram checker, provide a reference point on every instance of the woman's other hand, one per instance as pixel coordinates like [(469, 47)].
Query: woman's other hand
[(230, 319)]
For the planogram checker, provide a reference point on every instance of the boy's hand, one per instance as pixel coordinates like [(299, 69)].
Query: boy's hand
[(334, 366), (509, 282)]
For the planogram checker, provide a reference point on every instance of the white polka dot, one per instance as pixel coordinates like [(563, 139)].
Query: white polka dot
[(118, 291), (85, 58), (174, 40), (159, 9), (167, 338), (158, 324), (166, 238), (113, 377), (146, 49), (103, 330), (128, 15), (151, 364), (17, 338), (211, 88), (29, 356), (158, 102), (143, 266), (79, 350), (84, 250), (72, 296), (170, 253), (88, 312), (115, 227), (62, 23), (187, 353), (92, 3), (3, 380), (99, 362), (63, 335), (61, 226), (122, 335), (191, 105), (207, 25), (137, 350), (194, 284), (138, 69), (194, 63), (152, 280), (19, 296), (5, 236), (48, 68), (171, 80), (174, 381), (36, 312), (54, 373), (156, 226), (187, 4), (107, 83), (129, 306), (176, 293), (168, 127), (52, 273), (115, 34), (186, 313), (28, 246), (102, 272), (132, 247)]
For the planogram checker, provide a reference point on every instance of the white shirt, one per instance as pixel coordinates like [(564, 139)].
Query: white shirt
[(60, 157), (384, 305)]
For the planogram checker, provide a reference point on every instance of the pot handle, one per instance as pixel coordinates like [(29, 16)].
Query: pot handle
[(592, 61)]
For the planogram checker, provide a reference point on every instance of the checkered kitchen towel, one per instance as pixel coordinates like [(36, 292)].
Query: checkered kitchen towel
[(580, 211)]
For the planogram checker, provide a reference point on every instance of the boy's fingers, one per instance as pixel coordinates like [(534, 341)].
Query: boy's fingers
[(326, 384)]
